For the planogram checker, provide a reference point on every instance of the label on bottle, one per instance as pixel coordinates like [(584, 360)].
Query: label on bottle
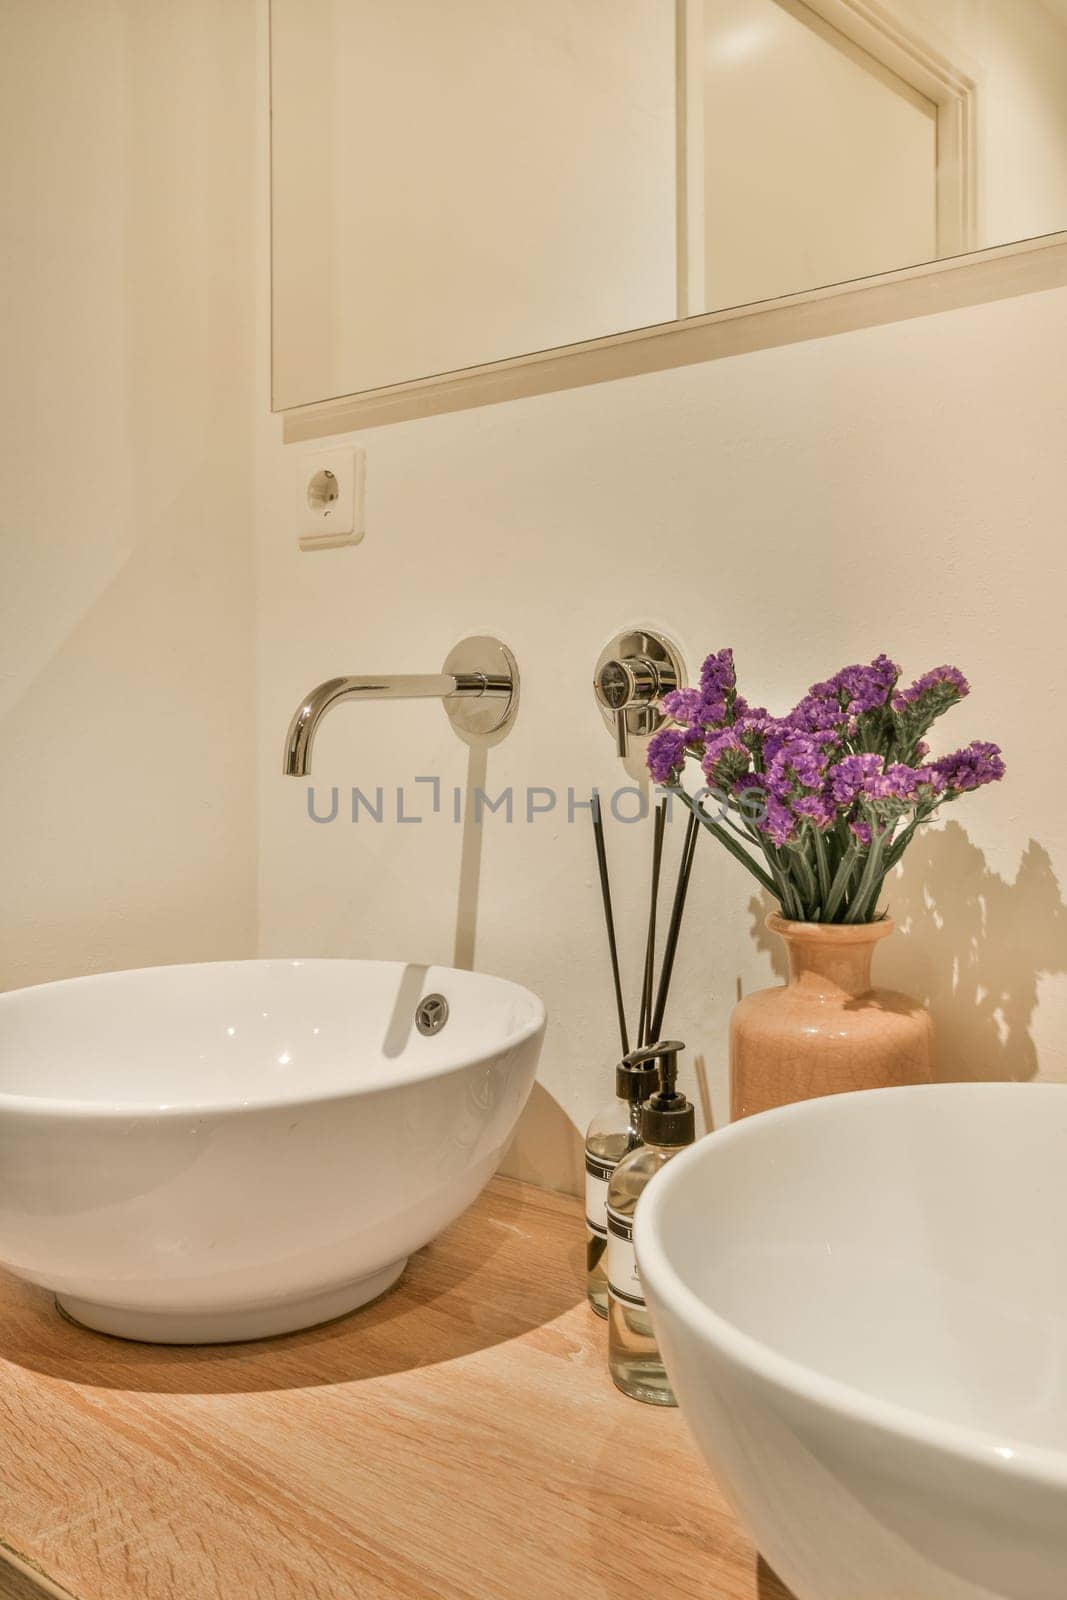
[(624, 1280), (598, 1170)]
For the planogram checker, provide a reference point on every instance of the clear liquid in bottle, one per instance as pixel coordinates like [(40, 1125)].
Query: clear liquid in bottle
[(603, 1152), (667, 1123), (613, 1133), (634, 1361)]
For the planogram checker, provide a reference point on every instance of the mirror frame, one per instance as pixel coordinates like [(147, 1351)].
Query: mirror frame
[(1027, 267)]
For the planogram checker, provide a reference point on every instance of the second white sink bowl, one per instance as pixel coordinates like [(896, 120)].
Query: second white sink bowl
[(862, 1305), (225, 1151)]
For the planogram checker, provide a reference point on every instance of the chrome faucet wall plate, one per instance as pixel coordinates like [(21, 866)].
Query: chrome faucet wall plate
[(482, 657), (633, 671)]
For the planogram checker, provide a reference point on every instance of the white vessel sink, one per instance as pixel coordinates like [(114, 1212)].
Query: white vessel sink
[(862, 1304), (225, 1151)]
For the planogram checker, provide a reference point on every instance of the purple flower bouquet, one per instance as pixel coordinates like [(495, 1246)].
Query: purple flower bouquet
[(819, 804)]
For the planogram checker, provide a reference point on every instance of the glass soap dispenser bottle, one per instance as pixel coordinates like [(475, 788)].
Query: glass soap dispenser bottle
[(668, 1124), (613, 1133)]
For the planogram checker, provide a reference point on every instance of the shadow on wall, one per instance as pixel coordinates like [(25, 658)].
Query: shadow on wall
[(547, 1149), (976, 949), (470, 861)]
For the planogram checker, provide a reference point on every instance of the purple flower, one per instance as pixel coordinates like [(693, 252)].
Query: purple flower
[(750, 794), (778, 821), (817, 809), (718, 680), (850, 693), (899, 782), (800, 763), (726, 759), (946, 685), (850, 777), (916, 708), (970, 768), (849, 761), (795, 782), (873, 685), (743, 709), (716, 704), (763, 735), (684, 706), (666, 754)]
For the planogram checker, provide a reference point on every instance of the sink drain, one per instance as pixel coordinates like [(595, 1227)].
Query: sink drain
[(431, 1015)]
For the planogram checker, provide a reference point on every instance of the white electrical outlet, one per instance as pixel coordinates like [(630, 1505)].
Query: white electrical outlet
[(331, 498)]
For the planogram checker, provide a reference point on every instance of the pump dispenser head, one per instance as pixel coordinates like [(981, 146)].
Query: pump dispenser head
[(668, 1117), (637, 1076)]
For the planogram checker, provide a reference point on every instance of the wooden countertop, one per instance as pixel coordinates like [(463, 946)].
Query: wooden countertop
[(453, 1441)]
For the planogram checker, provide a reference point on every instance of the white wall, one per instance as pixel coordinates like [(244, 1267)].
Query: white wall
[(127, 809), (900, 488)]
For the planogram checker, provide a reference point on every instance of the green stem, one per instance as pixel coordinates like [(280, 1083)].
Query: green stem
[(735, 849), (741, 832), (822, 867), (741, 854), (873, 899), (789, 899), (840, 882), (899, 846), (869, 876), (809, 890), (787, 890)]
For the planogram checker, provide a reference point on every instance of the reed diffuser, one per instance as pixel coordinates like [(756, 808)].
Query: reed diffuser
[(615, 1130)]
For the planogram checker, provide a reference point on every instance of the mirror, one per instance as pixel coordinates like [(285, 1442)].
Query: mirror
[(462, 184)]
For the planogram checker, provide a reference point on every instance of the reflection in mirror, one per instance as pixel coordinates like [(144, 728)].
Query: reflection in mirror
[(461, 184), (840, 138), (458, 183)]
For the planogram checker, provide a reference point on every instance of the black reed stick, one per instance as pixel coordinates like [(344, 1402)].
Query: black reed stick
[(605, 890), (674, 927), (643, 1035)]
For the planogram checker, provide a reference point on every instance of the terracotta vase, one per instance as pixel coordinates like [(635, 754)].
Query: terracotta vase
[(826, 1030)]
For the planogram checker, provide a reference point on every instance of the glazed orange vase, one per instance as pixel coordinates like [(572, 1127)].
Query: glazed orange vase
[(827, 1030)]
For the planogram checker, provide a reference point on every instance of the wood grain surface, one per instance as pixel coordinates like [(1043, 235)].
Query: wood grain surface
[(460, 1439)]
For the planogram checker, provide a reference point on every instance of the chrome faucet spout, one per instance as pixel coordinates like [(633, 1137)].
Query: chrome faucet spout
[(460, 682)]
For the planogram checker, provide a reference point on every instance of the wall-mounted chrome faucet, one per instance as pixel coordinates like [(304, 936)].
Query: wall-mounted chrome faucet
[(478, 684), (633, 672)]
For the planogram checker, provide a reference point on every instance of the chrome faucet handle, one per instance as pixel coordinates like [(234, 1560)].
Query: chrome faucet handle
[(622, 686), (634, 671)]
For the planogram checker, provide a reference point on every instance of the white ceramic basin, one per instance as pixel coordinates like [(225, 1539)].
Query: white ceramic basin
[(225, 1151), (862, 1304)]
